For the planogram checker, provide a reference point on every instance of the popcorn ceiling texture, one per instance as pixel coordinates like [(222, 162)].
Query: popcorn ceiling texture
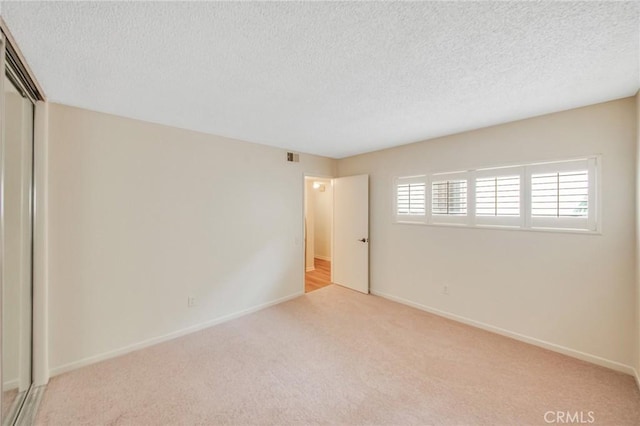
[(333, 79)]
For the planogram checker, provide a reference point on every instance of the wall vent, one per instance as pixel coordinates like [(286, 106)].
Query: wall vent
[(293, 158)]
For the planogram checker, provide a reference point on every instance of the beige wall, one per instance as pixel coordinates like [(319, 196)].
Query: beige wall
[(576, 292), (143, 216)]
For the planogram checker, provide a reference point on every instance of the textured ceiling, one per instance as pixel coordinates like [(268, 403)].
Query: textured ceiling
[(333, 79)]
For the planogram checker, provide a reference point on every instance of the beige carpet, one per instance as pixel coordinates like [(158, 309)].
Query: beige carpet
[(335, 356), (8, 397)]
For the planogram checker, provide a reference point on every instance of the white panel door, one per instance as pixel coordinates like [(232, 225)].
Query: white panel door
[(351, 232)]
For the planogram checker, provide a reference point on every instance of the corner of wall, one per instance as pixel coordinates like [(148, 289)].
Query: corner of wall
[(334, 167), (266, 262), (511, 143)]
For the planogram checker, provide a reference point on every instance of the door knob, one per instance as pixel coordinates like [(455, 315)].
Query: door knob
[(363, 240)]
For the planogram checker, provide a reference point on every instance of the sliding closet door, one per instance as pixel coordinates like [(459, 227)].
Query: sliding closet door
[(17, 248)]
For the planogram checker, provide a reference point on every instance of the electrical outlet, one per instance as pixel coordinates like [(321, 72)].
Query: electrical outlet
[(445, 290), (191, 301)]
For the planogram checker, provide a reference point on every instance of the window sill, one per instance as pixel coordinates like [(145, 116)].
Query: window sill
[(503, 228)]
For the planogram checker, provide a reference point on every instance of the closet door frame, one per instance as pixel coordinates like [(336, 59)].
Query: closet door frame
[(12, 63)]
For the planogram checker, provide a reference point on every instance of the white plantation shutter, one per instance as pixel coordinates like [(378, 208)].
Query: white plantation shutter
[(499, 196), (411, 199), (559, 195), (449, 198), (563, 194)]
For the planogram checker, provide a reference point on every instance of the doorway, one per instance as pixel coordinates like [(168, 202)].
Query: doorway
[(318, 220), (336, 232)]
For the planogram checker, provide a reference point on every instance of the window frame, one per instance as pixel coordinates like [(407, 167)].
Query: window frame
[(592, 224)]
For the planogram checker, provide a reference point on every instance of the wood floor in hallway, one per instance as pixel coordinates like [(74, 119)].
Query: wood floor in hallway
[(320, 277)]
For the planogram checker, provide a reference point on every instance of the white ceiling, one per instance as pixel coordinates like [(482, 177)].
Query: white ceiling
[(333, 79)]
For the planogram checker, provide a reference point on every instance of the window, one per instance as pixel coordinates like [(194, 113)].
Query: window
[(555, 195), (498, 196), (563, 195), (449, 198), (411, 199)]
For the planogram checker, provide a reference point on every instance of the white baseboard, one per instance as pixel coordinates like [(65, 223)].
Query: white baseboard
[(635, 374), (11, 384), (155, 340), (327, 258), (594, 359), (310, 269)]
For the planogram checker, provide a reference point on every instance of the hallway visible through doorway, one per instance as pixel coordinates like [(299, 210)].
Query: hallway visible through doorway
[(318, 229), (319, 277)]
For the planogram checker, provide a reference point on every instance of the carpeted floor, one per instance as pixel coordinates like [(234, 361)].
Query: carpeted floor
[(335, 356), (8, 397)]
